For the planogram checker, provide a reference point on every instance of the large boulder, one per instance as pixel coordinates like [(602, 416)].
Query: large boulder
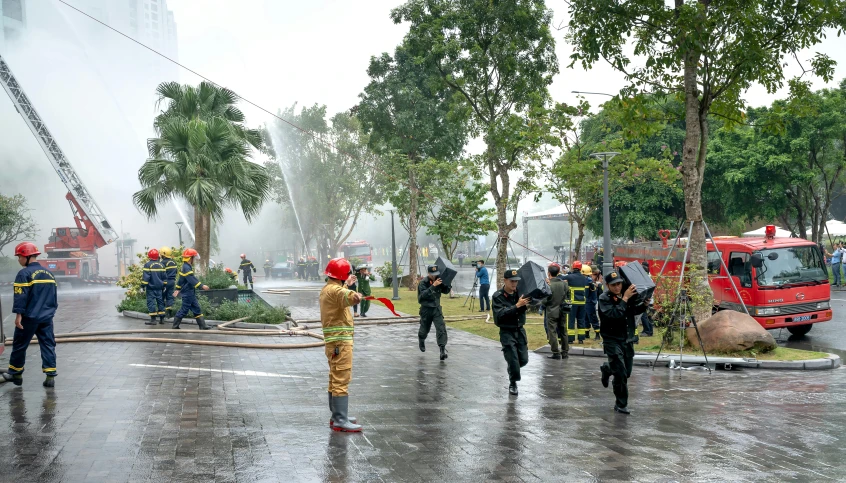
[(730, 331)]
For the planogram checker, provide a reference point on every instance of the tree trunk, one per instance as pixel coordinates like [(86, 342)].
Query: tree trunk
[(581, 227), (202, 232), (413, 269), (693, 168)]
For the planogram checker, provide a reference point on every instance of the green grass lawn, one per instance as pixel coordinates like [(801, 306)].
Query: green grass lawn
[(537, 337)]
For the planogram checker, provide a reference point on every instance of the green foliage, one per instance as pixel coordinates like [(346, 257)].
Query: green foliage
[(217, 278), (15, 221), (132, 280), (386, 273), (258, 313)]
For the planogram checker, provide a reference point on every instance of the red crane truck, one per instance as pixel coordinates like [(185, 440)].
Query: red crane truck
[(782, 281)]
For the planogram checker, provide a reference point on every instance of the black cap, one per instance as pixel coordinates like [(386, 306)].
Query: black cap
[(433, 270), (613, 277), (511, 274)]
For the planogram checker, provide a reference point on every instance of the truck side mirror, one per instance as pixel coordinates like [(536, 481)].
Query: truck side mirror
[(757, 261)]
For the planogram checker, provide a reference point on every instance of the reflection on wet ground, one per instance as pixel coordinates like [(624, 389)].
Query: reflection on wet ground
[(137, 412)]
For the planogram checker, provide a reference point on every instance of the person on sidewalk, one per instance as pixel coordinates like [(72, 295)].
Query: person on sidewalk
[(836, 259), (556, 317), (338, 329), (35, 303), (617, 313), (187, 284), (166, 253), (248, 268), (509, 314), (484, 286), (429, 292), (363, 279), (576, 321), (591, 298), (154, 280), (267, 267)]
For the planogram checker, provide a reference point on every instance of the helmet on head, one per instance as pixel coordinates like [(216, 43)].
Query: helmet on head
[(243, 256), (153, 254), (228, 270), (188, 253), (577, 265), (165, 252), (26, 249), (586, 270), (553, 264), (338, 268)]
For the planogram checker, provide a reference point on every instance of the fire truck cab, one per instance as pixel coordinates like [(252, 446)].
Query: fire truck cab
[(782, 281), (357, 249)]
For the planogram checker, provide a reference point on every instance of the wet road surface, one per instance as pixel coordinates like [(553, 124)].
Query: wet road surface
[(141, 412)]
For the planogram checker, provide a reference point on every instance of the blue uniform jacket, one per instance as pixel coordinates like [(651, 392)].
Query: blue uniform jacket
[(187, 283), (35, 293), (154, 275), (578, 284), (590, 290), (170, 269)]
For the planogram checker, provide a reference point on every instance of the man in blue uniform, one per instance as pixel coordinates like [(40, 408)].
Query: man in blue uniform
[(576, 323), (154, 281), (35, 304), (591, 297), (187, 284), (170, 270), (248, 268)]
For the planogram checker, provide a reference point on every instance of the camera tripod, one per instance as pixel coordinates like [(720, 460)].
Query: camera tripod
[(681, 318), (474, 291)]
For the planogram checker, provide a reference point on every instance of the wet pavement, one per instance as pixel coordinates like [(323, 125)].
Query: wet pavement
[(169, 412)]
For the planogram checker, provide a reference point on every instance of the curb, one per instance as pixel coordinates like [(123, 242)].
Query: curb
[(647, 359), (191, 321)]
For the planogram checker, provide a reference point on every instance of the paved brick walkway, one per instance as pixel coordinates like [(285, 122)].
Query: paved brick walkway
[(112, 417)]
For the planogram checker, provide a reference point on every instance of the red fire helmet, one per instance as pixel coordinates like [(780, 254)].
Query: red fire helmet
[(153, 254), (338, 268), (243, 256), (26, 249), (577, 265), (189, 252), (228, 270)]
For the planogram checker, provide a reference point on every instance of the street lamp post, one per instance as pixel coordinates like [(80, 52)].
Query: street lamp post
[(607, 254), (394, 281), (179, 226)]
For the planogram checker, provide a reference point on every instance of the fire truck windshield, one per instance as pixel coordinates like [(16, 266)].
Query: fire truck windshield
[(356, 251), (790, 265)]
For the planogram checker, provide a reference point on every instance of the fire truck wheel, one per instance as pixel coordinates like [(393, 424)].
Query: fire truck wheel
[(800, 329)]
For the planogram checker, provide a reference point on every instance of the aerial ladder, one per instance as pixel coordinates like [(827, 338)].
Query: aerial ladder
[(71, 251)]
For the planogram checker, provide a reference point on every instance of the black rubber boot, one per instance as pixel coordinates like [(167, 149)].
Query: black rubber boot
[(555, 356), (16, 379), (606, 374), (622, 410), (422, 344), (176, 322), (512, 388), (340, 407), (152, 320), (168, 313), (50, 381), (444, 354), (161, 319), (201, 321)]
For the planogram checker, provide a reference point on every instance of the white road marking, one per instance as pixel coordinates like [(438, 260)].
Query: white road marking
[(238, 373)]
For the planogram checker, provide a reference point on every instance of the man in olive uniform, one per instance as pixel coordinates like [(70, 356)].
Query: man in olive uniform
[(576, 321), (429, 292), (509, 313), (617, 313), (301, 268), (556, 317), (364, 278)]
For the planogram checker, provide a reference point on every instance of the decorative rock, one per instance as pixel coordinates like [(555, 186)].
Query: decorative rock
[(729, 331)]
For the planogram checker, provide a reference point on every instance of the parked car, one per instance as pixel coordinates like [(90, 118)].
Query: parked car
[(282, 270)]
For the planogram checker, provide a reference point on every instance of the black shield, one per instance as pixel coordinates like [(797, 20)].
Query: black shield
[(533, 281), (634, 273), (447, 270)]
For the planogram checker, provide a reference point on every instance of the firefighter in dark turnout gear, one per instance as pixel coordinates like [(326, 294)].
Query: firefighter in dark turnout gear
[(154, 280), (429, 292), (248, 268), (312, 269), (301, 268), (591, 297), (171, 270), (35, 304), (509, 314), (556, 317), (186, 285), (617, 313), (267, 267), (576, 321)]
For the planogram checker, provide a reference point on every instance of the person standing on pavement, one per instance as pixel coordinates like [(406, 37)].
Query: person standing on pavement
[(170, 272), (301, 268), (338, 329), (591, 297), (617, 313), (461, 257), (35, 303), (154, 280), (509, 314), (363, 279), (267, 267), (187, 284), (556, 317), (248, 268), (484, 286), (429, 292), (836, 260), (578, 298)]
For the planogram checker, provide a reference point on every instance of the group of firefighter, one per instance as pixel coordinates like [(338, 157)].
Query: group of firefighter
[(307, 269), (163, 280), (580, 288)]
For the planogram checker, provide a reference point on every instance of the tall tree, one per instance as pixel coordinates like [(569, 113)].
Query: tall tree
[(15, 221), (409, 120), (497, 59), (202, 155), (708, 53)]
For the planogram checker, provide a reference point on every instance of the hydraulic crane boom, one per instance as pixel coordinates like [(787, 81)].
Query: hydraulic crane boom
[(90, 210)]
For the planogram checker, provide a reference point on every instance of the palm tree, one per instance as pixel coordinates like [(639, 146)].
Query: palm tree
[(202, 155)]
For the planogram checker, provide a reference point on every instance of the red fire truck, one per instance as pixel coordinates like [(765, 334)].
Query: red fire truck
[(783, 281), (357, 249)]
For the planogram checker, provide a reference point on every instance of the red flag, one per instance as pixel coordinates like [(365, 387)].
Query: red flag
[(386, 302)]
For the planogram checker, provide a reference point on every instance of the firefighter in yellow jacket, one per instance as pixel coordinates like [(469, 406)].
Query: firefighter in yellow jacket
[(337, 321)]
